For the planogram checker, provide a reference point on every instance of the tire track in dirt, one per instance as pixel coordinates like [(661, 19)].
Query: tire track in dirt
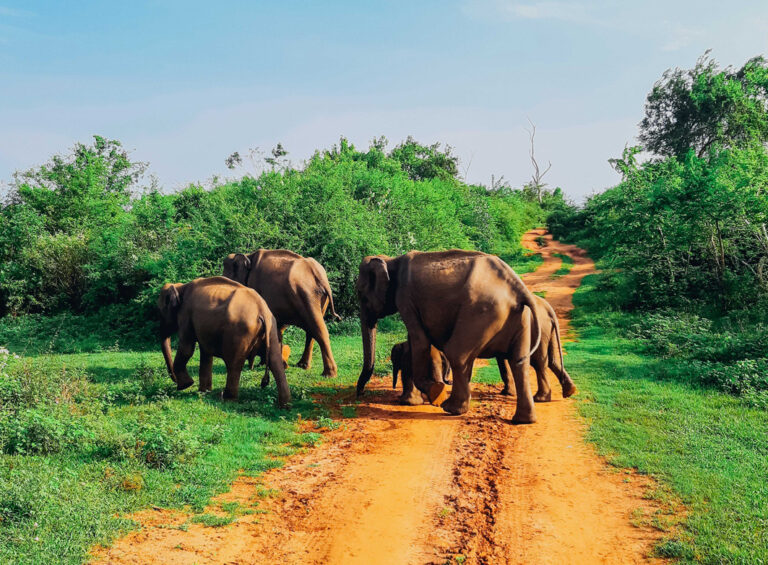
[(404, 485)]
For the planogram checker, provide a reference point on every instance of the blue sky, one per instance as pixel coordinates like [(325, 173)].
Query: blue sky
[(184, 84)]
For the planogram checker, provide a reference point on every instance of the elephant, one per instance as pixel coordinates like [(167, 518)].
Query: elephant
[(229, 321), (549, 354), (297, 292), (468, 304), (401, 365)]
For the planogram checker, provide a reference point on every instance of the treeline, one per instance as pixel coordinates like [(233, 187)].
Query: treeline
[(683, 239), (79, 235), (687, 226)]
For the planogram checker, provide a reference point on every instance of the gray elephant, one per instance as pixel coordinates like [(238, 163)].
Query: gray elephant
[(297, 292), (465, 303), (229, 321)]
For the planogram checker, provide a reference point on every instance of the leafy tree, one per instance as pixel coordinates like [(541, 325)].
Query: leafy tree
[(705, 106), (423, 162)]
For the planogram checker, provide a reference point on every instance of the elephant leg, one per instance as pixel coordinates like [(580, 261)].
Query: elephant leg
[(436, 361), (205, 382), (183, 354), (234, 369), (319, 332), (543, 392), (419, 370), (569, 389), (411, 396), (306, 358), (458, 401), (525, 413), (504, 371), (265, 378)]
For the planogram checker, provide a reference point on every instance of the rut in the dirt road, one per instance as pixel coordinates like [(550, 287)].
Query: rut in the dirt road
[(412, 485)]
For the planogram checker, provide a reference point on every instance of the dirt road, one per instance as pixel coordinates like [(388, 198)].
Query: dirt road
[(406, 485)]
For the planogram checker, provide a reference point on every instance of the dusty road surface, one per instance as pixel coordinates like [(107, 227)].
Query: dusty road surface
[(411, 485)]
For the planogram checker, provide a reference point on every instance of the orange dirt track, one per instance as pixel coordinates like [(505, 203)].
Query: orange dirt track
[(411, 485)]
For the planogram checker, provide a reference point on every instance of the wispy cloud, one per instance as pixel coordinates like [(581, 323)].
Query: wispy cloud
[(574, 12), (14, 12), (678, 37)]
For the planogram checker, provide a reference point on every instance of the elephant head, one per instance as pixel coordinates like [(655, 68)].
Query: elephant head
[(375, 288), (236, 267), (169, 303)]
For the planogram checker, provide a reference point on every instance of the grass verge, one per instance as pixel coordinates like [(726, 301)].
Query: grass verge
[(89, 438), (709, 447)]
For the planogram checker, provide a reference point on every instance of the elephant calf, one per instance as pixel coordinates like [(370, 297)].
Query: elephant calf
[(229, 321), (401, 365)]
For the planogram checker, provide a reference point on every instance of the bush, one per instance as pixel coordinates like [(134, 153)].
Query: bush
[(100, 254)]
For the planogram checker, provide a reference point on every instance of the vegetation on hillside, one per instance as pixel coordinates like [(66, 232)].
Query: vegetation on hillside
[(684, 234), (79, 235)]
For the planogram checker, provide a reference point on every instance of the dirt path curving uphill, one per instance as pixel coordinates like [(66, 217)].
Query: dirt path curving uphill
[(410, 485)]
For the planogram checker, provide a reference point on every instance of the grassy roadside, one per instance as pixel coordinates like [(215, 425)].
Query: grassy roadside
[(93, 436), (709, 447)]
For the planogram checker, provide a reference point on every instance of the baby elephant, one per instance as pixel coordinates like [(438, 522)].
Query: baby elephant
[(401, 365), (229, 321)]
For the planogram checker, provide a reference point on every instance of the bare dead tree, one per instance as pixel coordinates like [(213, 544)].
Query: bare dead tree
[(536, 180)]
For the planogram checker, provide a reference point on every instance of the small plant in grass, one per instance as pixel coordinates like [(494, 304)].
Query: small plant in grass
[(326, 423), (565, 267), (212, 520), (349, 411)]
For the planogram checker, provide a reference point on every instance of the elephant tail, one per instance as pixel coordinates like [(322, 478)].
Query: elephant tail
[(329, 294), (530, 301)]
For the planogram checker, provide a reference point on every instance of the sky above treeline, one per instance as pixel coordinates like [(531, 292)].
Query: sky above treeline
[(184, 84)]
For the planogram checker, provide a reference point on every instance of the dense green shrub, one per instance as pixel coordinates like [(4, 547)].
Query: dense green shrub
[(688, 226), (77, 236)]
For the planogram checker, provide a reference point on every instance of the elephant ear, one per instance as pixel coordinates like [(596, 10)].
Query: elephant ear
[(241, 267), (378, 283), (170, 300)]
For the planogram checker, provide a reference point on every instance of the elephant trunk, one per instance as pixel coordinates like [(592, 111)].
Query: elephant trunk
[(369, 353), (165, 345)]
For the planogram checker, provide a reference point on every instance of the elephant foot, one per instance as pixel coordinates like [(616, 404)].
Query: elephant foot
[(330, 374), (227, 394), (524, 417), (182, 383), (569, 389), (302, 364), (455, 407), (414, 399), (506, 392), (205, 388), (543, 396)]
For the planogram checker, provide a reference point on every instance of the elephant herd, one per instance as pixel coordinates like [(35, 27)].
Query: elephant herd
[(456, 305)]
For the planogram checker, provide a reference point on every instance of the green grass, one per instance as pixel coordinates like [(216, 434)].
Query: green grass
[(525, 263), (565, 267), (708, 447), (95, 436)]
